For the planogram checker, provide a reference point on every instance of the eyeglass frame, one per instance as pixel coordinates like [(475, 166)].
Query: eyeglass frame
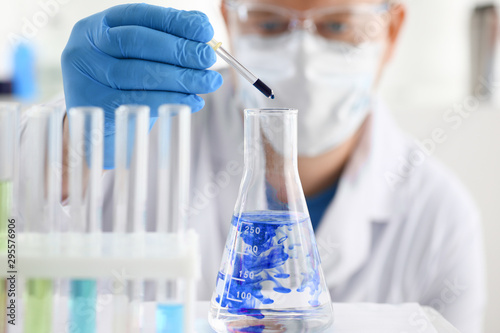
[(305, 19)]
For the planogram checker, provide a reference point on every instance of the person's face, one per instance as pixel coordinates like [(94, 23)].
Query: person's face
[(373, 27)]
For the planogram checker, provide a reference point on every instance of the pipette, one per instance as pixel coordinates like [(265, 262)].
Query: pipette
[(257, 83)]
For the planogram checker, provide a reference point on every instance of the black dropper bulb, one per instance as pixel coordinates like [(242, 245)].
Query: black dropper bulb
[(263, 88)]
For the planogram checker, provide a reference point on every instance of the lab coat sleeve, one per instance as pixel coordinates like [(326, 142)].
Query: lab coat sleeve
[(455, 275)]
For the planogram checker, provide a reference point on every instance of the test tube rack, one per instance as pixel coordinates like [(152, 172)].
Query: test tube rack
[(133, 257), (147, 256)]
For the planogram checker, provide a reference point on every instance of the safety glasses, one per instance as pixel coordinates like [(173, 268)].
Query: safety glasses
[(353, 24)]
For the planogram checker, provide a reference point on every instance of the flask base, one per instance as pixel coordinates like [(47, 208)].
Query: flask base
[(316, 319)]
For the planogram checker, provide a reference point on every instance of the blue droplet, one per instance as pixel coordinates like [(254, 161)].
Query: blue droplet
[(265, 253), (314, 302), (282, 290), (282, 239), (282, 276)]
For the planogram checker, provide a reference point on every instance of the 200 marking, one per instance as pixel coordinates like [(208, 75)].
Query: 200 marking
[(254, 248)]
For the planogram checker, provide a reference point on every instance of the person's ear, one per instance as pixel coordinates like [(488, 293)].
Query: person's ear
[(397, 16)]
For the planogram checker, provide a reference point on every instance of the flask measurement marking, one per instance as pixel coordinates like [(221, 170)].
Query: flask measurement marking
[(236, 300), (229, 288), (249, 228), (238, 279)]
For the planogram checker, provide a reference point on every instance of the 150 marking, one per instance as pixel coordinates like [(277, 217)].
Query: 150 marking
[(247, 274)]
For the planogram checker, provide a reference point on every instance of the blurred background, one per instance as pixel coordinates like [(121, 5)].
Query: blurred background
[(447, 65)]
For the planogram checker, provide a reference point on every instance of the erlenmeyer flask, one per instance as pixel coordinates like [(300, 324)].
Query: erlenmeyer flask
[(270, 279)]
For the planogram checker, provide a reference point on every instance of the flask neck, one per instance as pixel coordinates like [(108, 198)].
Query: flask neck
[(270, 178), (271, 142)]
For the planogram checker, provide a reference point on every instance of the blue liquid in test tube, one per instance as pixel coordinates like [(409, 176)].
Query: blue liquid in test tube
[(86, 210), (173, 184), (170, 318)]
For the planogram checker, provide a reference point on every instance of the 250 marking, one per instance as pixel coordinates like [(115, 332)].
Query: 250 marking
[(252, 229)]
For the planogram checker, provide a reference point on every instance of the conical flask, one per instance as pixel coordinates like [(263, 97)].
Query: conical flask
[(270, 278)]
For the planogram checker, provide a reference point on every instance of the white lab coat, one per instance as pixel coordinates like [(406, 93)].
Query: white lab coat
[(389, 236)]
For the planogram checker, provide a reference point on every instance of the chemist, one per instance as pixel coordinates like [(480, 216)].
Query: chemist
[(392, 224)]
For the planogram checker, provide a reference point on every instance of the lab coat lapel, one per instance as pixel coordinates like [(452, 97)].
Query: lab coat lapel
[(345, 234)]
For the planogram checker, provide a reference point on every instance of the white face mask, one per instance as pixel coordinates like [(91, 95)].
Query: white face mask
[(330, 83)]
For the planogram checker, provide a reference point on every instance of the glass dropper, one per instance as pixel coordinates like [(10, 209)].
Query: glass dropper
[(257, 83)]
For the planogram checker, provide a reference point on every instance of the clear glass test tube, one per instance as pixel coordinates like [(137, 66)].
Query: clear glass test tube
[(130, 189), (174, 130), (85, 163), (131, 153), (42, 196), (9, 124)]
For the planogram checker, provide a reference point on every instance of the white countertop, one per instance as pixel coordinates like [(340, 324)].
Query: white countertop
[(368, 318)]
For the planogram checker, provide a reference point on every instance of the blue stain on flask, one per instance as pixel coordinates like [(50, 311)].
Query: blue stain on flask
[(270, 278)]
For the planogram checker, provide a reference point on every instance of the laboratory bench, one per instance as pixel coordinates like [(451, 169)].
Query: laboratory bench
[(368, 318)]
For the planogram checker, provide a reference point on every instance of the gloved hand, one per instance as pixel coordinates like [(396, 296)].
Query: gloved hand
[(138, 54)]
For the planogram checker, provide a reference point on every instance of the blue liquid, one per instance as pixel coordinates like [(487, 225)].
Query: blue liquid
[(82, 306), (262, 246), (170, 318), (253, 329)]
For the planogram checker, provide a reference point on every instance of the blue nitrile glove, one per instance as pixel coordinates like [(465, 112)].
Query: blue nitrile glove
[(138, 54)]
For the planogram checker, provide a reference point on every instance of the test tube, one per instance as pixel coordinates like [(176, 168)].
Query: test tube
[(42, 196), (130, 189), (86, 128), (9, 116), (174, 122), (173, 195), (131, 152)]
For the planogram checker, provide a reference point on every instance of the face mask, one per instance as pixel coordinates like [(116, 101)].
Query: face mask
[(330, 83)]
